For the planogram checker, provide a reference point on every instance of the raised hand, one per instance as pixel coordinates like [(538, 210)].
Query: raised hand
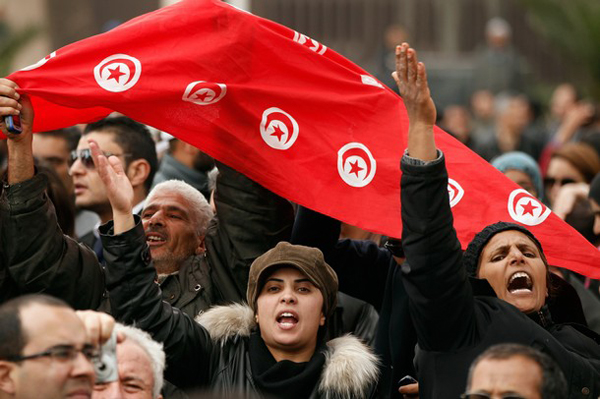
[(20, 153), (118, 188), (411, 78), (98, 326), (12, 103)]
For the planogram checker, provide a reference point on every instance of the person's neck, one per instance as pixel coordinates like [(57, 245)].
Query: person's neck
[(302, 355), (166, 268)]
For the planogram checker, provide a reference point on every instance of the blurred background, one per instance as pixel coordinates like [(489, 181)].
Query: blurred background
[(529, 46)]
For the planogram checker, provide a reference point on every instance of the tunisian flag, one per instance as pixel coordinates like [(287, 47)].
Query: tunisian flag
[(283, 109)]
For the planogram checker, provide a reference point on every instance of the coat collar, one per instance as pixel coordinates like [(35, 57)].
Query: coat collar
[(351, 368)]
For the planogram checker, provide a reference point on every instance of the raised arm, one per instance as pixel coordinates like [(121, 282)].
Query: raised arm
[(135, 297), (251, 220), (38, 256), (441, 299)]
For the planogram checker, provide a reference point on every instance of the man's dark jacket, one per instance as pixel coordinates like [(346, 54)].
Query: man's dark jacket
[(370, 273), (39, 258), (455, 323)]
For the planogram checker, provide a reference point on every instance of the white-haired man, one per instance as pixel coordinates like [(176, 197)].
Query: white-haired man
[(197, 265), (141, 363)]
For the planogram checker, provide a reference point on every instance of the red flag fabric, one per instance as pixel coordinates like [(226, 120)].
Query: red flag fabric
[(283, 109)]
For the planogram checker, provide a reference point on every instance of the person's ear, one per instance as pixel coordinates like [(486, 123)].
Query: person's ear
[(7, 383), (138, 171), (322, 320)]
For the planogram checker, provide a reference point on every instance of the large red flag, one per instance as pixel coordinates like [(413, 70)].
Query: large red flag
[(285, 110)]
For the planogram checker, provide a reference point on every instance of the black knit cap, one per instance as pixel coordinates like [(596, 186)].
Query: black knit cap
[(475, 247)]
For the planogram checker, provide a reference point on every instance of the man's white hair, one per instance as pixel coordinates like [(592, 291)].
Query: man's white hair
[(153, 349), (201, 210)]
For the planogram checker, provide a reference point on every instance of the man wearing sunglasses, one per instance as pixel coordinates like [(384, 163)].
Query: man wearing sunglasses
[(514, 371), (126, 139), (45, 349)]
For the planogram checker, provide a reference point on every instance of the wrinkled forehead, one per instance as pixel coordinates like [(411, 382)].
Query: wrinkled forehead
[(507, 238), (167, 199)]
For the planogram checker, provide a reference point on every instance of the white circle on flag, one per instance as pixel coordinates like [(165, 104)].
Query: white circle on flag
[(356, 165), (117, 73), (455, 192), (526, 209), (40, 62), (278, 129), (204, 93)]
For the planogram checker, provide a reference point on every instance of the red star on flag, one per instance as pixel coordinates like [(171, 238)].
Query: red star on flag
[(354, 168), (277, 132), (201, 96), (529, 208), (115, 73)]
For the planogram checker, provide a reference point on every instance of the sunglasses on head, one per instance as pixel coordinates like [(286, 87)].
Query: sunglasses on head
[(551, 181), (86, 158)]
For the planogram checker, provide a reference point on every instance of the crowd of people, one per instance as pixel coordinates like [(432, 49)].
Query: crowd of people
[(174, 276)]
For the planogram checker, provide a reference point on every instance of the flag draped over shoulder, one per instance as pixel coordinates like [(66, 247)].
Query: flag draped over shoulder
[(283, 109)]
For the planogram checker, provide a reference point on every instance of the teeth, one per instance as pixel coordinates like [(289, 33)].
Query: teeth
[(153, 238), (287, 315), (519, 274)]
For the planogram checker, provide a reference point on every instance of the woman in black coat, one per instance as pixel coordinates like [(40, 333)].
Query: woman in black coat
[(456, 319)]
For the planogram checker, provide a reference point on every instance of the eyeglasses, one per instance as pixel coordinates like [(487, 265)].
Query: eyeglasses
[(486, 396), (86, 157), (551, 181), (61, 353)]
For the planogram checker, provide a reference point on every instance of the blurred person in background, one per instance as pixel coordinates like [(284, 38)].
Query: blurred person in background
[(183, 161), (572, 163), (499, 68), (523, 170), (384, 62), (456, 120), (513, 118), (483, 108)]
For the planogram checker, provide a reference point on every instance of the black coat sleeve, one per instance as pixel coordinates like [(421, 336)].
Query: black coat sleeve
[(250, 221), (136, 299), (362, 267), (441, 300), (38, 256)]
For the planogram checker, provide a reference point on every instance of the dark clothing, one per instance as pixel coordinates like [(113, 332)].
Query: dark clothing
[(170, 168), (38, 257), (455, 320), (370, 273), (218, 355), (251, 221)]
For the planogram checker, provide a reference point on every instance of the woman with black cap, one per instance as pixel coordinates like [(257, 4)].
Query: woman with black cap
[(505, 301)]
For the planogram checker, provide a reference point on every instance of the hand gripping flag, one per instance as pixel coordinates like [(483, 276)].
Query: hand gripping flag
[(283, 109)]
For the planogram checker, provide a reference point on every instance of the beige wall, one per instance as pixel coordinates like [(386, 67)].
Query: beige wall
[(23, 13)]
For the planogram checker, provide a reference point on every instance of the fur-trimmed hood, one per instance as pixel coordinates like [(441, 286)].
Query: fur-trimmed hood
[(351, 368)]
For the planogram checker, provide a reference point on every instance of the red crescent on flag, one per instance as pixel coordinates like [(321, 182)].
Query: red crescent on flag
[(280, 117), (130, 65), (359, 152), (518, 197)]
